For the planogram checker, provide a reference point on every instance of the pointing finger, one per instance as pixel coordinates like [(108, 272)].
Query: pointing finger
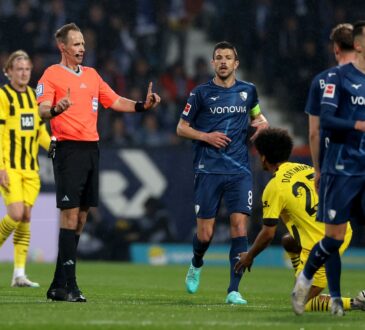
[(149, 88)]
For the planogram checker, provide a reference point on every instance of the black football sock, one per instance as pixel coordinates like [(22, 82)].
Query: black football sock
[(59, 277), (67, 251)]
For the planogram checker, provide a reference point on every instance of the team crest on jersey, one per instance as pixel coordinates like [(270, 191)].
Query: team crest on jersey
[(39, 90), (329, 91), (332, 214), (243, 96), (27, 121), (187, 109)]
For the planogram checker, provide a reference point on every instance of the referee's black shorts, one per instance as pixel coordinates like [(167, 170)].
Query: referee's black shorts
[(76, 171)]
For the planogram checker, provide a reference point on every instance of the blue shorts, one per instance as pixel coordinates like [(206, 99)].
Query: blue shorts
[(235, 189), (341, 198)]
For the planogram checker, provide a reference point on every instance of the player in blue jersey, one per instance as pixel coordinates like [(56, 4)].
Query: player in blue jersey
[(216, 117), (342, 184), (343, 49)]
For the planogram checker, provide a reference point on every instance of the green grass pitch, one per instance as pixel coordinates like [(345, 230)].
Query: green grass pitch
[(127, 296)]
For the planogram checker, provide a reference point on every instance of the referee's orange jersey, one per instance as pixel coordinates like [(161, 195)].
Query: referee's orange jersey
[(87, 89)]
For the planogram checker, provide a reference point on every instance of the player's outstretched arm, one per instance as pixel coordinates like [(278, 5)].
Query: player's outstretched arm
[(262, 241), (216, 139)]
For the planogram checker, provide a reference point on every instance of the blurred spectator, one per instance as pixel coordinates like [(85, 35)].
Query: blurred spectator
[(123, 45), (119, 136), (177, 83), (53, 16), (202, 71), (22, 27), (146, 29), (140, 74), (150, 134)]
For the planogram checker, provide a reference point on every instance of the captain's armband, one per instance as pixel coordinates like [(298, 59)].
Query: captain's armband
[(255, 111)]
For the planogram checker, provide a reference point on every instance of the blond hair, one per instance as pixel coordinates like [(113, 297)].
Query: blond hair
[(15, 56)]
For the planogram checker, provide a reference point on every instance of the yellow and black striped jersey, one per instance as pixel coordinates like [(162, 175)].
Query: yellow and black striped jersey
[(21, 129), (291, 196)]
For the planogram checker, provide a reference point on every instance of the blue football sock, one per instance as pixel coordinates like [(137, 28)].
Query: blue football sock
[(199, 249), (238, 245), (333, 273), (320, 254)]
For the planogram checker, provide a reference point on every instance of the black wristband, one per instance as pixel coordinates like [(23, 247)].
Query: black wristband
[(139, 106), (53, 112)]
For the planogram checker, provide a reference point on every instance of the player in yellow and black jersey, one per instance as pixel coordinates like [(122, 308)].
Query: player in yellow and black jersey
[(291, 196), (21, 133)]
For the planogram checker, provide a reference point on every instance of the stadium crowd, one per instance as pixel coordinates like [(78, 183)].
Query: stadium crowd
[(283, 44)]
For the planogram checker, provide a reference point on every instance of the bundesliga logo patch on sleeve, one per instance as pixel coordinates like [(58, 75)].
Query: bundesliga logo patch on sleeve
[(329, 91), (187, 109), (39, 90)]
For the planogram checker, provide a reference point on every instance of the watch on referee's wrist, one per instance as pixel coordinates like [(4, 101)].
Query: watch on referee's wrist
[(53, 112)]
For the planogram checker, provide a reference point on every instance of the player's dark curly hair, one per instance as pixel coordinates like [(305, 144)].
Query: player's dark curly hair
[(275, 144)]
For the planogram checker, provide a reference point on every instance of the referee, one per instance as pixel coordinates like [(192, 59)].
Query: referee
[(68, 94)]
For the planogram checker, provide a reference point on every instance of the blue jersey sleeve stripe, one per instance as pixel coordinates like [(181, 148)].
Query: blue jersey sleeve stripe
[(329, 103)]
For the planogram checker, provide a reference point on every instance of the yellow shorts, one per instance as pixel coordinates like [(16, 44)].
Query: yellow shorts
[(320, 278), (24, 187)]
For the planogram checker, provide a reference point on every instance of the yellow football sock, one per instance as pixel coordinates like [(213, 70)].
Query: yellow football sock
[(7, 226), (321, 303), (346, 303), (295, 259), (21, 244)]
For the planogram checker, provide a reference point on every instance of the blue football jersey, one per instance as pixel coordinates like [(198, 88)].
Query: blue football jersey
[(212, 108), (344, 94), (313, 106)]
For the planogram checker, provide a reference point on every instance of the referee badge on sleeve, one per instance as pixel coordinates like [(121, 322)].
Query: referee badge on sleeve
[(39, 90), (95, 104)]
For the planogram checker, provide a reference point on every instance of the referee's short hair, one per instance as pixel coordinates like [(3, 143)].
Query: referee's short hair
[(62, 33)]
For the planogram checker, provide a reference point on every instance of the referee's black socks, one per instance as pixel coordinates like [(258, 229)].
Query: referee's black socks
[(67, 252)]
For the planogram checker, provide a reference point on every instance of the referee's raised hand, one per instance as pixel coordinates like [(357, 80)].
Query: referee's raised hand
[(152, 99), (64, 103)]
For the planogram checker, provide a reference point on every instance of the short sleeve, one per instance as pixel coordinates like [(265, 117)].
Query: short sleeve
[(272, 202), (45, 90), (106, 94), (331, 94), (192, 106), (313, 105)]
